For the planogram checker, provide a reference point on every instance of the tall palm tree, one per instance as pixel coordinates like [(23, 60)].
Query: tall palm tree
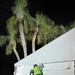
[(41, 30), (19, 11), (12, 34), (11, 39)]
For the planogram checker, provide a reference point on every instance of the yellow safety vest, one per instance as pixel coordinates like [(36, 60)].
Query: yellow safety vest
[(37, 70)]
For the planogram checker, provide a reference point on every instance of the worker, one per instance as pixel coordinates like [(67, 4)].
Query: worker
[(37, 70)]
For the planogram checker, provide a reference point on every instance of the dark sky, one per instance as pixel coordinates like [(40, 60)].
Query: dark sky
[(60, 12)]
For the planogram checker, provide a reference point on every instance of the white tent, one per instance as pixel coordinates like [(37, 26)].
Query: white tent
[(56, 56)]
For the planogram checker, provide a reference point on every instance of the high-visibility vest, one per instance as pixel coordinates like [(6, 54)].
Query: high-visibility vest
[(37, 70)]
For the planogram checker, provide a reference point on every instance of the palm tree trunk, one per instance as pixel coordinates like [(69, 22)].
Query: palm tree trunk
[(13, 43), (33, 42), (23, 39), (16, 53)]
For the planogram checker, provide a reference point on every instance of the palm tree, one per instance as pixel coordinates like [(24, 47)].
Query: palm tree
[(45, 30), (10, 47), (41, 30), (11, 38), (19, 11), (12, 35)]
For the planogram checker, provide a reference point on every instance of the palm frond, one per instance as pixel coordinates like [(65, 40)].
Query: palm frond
[(8, 49), (29, 22), (39, 39), (11, 26), (62, 29), (29, 36), (71, 25), (3, 40), (18, 9), (20, 3)]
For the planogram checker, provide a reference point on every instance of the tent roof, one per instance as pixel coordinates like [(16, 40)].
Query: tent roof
[(60, 49)]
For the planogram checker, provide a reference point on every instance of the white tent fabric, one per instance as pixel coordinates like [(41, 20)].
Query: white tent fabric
[(59, 50)]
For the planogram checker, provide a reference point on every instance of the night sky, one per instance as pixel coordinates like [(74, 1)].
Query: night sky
[(60, 12)]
